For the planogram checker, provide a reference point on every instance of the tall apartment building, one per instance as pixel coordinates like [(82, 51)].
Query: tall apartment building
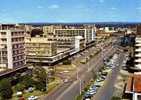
[(12, 48), (138, 53)]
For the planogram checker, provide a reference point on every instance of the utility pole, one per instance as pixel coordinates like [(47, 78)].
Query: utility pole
[(80, 86)]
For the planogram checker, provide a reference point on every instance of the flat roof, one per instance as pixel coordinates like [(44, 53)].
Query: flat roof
[(133, 84), (129, 85), (137, 83)]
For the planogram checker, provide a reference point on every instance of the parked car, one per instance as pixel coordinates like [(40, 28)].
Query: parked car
[(83, 61), (33, 98)]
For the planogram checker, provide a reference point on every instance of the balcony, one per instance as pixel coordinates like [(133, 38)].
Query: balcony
[(138, 55), (138, 60)]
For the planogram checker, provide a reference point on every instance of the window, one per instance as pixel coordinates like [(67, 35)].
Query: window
[(3, 33), (3, 40)]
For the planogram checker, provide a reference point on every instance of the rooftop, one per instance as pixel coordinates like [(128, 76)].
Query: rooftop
[(134, 84)]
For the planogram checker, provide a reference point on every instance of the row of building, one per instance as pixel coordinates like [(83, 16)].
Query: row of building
[(19, 43)]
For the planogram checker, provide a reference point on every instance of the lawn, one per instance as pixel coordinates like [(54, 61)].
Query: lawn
[(61, 68), (51, 86)]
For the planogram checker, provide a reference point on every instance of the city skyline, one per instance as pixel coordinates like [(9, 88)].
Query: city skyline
[(19, 11)]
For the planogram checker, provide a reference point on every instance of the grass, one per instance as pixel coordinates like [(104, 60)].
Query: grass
[(79, 97), (51, 86), (65, 67), (26, 95), (54, 84)]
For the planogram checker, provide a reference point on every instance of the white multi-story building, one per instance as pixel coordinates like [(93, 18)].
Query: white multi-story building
[(66, 37), (138, 53), (12, 49)]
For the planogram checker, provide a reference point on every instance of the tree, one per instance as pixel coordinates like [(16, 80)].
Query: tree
[(40, 86), (27, 81), (40, 77), (116, 98), (5, 89), (19, 87)]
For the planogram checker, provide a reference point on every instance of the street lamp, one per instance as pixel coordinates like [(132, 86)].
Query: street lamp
[(88, 61), (77, 76), (79, 79), (46, 83), (80, 86)]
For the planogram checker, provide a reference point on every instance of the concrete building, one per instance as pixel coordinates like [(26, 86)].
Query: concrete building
[(40, 46), (138, 53), (133, 87), (12, 47), (66, 37), (79, 43), (109, 29), (138, 29), (50, 29)]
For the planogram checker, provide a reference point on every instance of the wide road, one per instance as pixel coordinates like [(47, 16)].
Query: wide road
[(95, 64), (106, 92), (72, 88)]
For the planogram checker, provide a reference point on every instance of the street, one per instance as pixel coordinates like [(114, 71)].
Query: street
[(106, 91), (72, 88)]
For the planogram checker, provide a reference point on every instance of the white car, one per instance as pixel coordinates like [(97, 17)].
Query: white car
[(32, 98)]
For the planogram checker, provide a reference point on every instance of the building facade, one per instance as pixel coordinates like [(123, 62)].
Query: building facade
[(12, 48), (40, 46), (138, 53), (66, 37)]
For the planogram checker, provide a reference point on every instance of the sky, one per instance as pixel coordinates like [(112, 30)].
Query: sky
[(20, 11)]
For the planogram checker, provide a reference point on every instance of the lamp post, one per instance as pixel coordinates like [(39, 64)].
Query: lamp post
[(77, 76), (79, 79), (46, 83), (80, 86), (89, 60)]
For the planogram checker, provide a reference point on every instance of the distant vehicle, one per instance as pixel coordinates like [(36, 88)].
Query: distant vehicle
[(104, 73), (30, 89), (66, 80), (33, 98), (87, 96), (87, 99), (19, 93), (83, 61), (94, 87)]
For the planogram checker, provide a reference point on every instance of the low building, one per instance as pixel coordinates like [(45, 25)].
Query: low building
[(40, 50), (40, 46), (133, 87)]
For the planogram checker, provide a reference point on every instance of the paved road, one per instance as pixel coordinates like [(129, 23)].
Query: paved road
[(74, 90), (73, 86), (106, 92)]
